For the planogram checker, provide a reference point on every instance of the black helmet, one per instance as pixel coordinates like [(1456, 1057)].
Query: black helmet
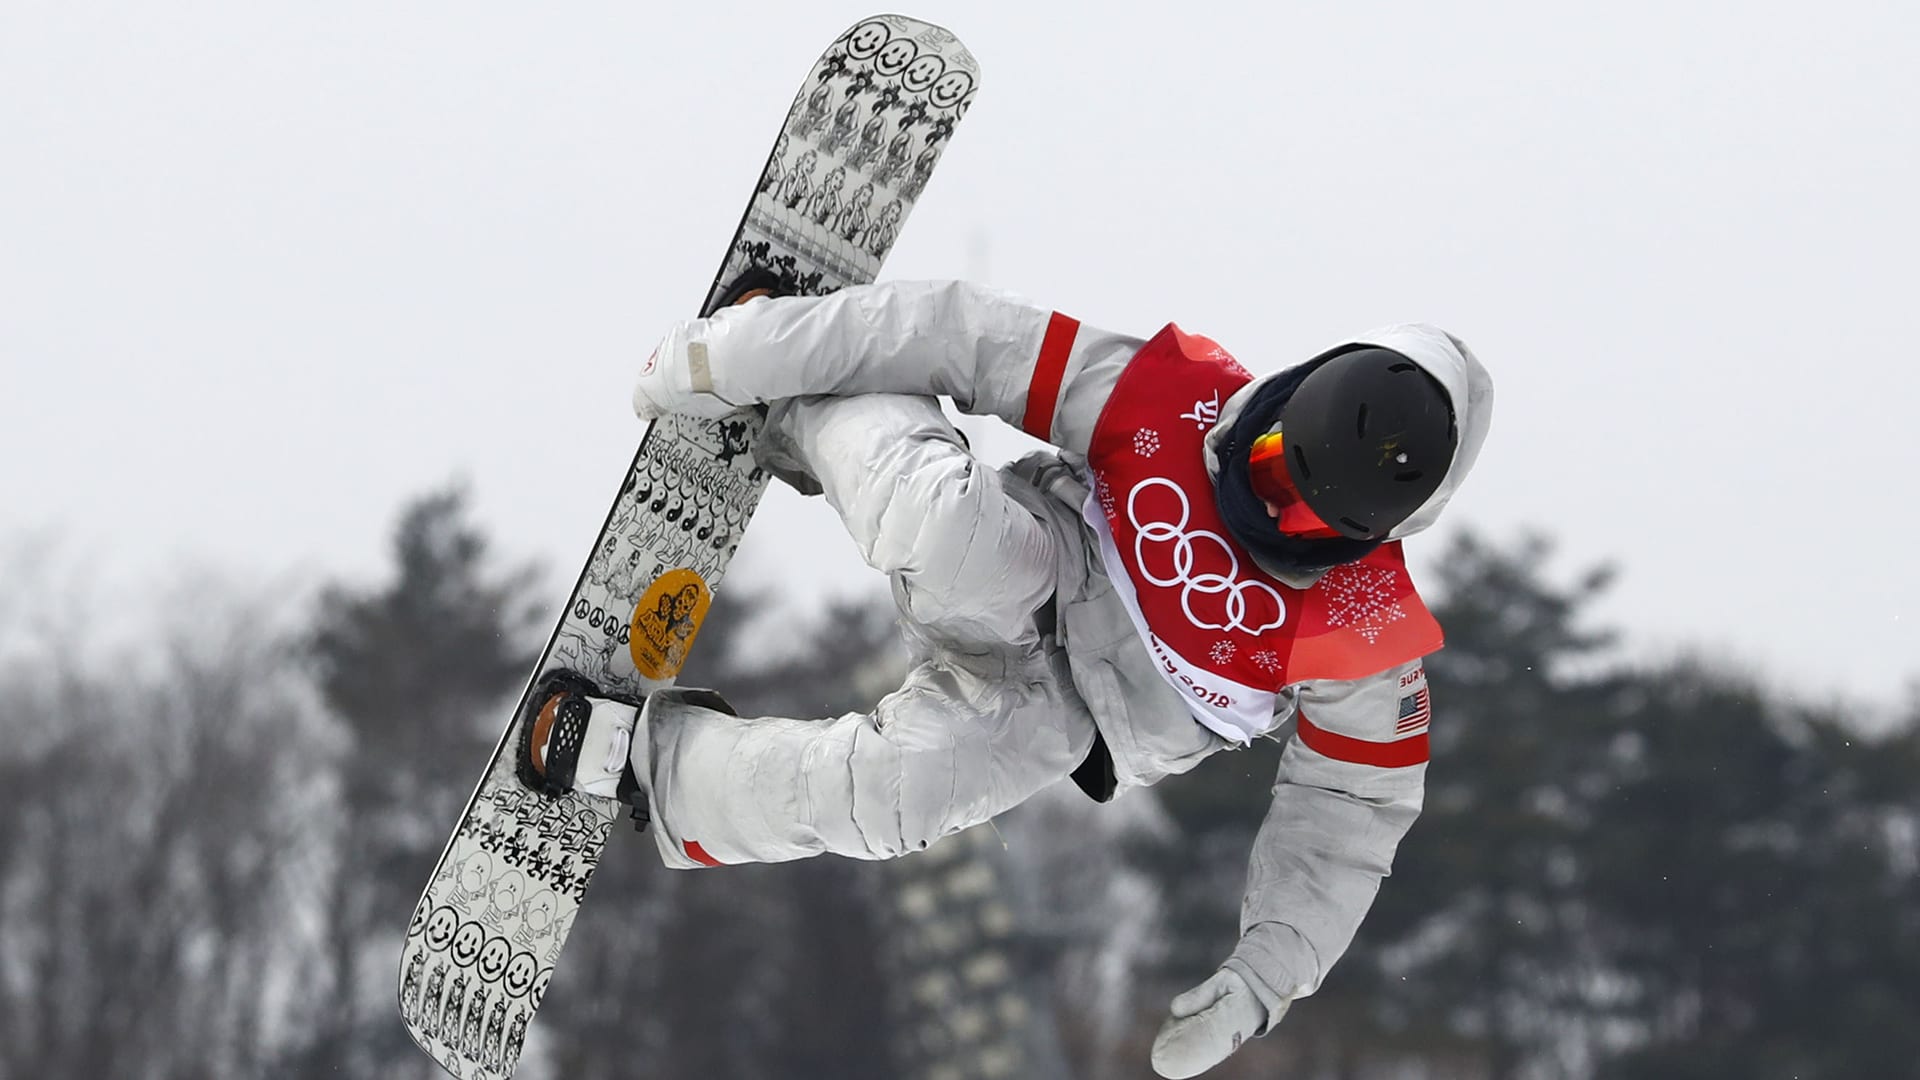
[(1369, 435)]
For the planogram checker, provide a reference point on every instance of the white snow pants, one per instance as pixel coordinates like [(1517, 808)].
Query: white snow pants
[(988, 715)]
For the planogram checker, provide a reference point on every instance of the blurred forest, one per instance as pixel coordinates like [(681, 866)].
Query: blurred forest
[(210, 845)]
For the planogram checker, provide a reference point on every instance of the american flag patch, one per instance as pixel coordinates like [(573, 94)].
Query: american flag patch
[(1415, 710)]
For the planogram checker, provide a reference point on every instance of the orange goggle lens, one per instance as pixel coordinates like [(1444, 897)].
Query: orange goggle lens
[(1267, 469)]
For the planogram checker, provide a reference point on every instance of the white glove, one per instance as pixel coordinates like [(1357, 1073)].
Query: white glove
[(678, 378), (1209, 1022)]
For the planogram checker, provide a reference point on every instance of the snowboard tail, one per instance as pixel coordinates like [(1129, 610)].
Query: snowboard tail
[(853, 154)]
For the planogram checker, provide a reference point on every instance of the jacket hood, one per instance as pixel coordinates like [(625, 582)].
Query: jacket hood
[(1468, 386)]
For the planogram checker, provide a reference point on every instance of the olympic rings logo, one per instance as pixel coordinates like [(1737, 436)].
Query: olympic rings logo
[(1187, 553)]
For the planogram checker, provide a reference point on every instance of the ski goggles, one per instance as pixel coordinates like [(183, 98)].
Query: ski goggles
[(1267, 471)]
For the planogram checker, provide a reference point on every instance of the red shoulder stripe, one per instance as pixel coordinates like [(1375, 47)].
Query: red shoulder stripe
[(1043, 393), (1384, 755)]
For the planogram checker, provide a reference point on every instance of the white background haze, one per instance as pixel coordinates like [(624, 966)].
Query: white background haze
[(267, 270)]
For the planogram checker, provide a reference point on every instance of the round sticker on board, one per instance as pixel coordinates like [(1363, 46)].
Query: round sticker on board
[(664, 622)]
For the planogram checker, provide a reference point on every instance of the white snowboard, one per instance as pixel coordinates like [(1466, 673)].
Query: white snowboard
[(853, 154)]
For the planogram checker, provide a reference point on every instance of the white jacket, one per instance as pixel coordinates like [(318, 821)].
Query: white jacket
[(1351, 779)]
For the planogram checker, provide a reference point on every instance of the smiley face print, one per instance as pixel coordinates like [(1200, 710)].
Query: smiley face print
[(951, 89), (867, 39), (895, 56), (467, 942), (493, 959), (521, 971), (923, 71), (441, 926)]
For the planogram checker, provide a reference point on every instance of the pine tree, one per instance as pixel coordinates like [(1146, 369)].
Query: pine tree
[(420, 673)]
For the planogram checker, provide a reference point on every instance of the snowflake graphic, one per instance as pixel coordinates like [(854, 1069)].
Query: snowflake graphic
[(1146, 442), (1267, 660), (1358, 597), (1221, 652)]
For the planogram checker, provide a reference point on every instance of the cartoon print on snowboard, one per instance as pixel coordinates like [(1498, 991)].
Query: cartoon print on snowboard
[(848, 161)]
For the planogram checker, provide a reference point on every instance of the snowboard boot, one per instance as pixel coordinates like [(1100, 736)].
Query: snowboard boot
[(574, 738)]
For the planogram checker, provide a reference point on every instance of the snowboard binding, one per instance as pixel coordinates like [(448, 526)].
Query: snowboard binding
[(575, 738), (753, 283)]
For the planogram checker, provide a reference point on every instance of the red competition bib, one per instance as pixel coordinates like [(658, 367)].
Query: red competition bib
[(1225, 634)]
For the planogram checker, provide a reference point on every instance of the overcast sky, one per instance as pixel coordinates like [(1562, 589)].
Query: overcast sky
[(266, 270)]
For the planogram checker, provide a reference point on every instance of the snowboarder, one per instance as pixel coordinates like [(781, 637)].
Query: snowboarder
[(1205, 558)]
